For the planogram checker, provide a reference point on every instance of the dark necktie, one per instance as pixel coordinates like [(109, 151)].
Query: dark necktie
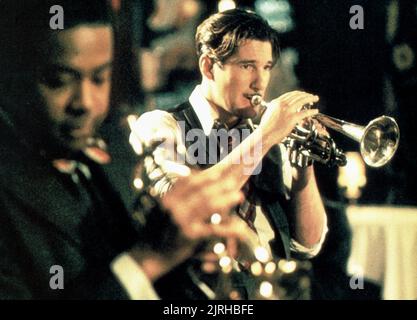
[(247, 209)]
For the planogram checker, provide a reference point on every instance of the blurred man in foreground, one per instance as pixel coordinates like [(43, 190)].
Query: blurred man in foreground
[(65, 226)]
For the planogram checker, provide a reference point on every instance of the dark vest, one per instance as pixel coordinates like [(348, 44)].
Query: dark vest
[(269, 185)]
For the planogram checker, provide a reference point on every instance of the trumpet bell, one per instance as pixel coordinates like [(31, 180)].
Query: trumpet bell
[(379, 142)]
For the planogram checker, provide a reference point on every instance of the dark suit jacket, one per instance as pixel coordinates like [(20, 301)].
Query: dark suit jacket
[(43, 223)]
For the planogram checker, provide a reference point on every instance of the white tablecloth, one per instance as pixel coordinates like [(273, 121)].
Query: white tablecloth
[(384, 248)]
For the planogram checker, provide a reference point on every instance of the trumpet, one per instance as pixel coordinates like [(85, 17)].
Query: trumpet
[(378, 140)]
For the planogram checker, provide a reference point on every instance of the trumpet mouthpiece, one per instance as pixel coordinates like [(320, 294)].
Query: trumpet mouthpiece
[(256, 100)]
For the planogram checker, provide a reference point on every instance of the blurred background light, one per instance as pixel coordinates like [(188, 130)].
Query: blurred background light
[(277, 13), (226, 5), (352, 177)]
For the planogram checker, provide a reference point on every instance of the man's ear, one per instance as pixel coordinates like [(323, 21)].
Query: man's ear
[(206, 66)]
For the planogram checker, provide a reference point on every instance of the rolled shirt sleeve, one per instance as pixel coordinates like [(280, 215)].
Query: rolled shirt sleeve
[(310, 252), (295, 246)]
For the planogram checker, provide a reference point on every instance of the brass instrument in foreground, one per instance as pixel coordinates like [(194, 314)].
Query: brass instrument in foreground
[(378, 140)]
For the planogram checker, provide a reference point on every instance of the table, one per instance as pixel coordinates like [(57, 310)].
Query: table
[(384, 248)]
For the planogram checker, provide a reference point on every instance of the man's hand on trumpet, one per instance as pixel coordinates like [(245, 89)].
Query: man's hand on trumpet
[(284, 113)]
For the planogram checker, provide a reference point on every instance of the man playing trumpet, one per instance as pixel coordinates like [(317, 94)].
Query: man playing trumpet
[(282, 206)]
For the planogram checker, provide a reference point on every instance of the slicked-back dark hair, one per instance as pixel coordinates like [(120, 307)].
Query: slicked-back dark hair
[(222, 33)]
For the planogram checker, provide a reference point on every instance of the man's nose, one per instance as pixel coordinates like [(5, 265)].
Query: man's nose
[(260, 80), (84, 98)]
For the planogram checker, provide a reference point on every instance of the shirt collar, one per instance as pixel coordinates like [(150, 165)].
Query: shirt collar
[(202, 109)]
